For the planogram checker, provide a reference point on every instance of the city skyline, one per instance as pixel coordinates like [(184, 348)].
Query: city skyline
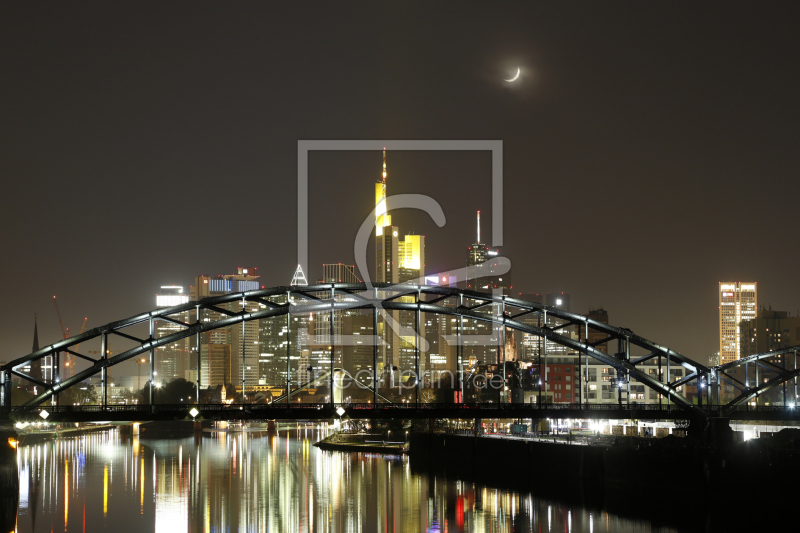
[(610, 195), (318, 266)]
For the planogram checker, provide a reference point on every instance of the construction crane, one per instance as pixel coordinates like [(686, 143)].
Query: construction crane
[(64, 330), (70, 362)]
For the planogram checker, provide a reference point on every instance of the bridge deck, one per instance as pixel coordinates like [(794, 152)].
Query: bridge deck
[(133, 413)]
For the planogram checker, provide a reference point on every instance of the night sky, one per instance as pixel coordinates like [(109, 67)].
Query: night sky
[(650, 149)]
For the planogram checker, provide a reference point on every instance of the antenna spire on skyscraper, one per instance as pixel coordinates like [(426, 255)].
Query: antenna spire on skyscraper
[(479, 226)]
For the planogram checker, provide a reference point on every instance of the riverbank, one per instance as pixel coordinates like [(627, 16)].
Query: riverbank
[(362, 443), (679, 479)]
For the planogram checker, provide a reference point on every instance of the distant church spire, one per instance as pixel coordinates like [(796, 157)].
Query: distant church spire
[(36, 366), (299, 277), (35, 334)]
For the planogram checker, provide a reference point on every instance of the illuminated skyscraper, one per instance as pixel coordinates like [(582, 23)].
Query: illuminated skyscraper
[(737, 302), (396, 260), (172, 360), (482, 275), (242, 338)]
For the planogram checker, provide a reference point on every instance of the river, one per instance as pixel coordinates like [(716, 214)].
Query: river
[(254, 481)]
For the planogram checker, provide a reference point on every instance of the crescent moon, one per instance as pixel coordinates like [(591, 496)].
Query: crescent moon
[(515, 77)]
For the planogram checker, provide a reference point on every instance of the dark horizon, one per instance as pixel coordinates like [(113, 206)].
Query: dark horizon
[(648, 151)]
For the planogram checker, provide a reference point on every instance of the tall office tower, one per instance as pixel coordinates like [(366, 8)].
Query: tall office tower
[(241, 338), (483, 275), (339, 273), (173, 360), (357, 354), (411, 258), (532, 345), (772, 330), (737, 302), (281, 337), (215, 365), (397, 261), (441, 359), (386, 235), (272, 355), (600, 315)]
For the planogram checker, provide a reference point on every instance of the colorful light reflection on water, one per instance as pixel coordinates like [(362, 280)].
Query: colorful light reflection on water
[(253, 481)]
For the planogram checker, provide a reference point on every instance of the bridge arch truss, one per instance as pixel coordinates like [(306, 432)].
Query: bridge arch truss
[(500, 311)]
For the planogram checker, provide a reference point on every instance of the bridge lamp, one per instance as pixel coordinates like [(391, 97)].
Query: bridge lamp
[(340, 411), (194, 412), (44, 414)]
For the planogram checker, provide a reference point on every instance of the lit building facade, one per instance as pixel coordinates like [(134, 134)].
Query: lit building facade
[(172, 360), (481, 274), (772, 330), (397, 261), (243, 339), (737, 302)]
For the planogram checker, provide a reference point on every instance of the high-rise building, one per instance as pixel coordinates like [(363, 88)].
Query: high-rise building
[(215, 364), (172, 360), (241, 338), (737, 302), (483, 275), (357, 354), (772, 330), (397, 260), (285, 336), (600, 315)]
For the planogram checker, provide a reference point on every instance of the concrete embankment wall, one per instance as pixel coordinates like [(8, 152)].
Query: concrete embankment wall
[(596, 474)]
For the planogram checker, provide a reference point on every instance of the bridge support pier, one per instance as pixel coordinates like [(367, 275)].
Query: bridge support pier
[(271, 426), (715, 432)]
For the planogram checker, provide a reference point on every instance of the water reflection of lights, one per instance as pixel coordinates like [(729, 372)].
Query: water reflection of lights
[(249, 482)]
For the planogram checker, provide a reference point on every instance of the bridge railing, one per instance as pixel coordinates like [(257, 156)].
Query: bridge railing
[(500, 408), (368, 406)]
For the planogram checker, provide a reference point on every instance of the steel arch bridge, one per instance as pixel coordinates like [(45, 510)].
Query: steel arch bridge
[(499, 311)]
